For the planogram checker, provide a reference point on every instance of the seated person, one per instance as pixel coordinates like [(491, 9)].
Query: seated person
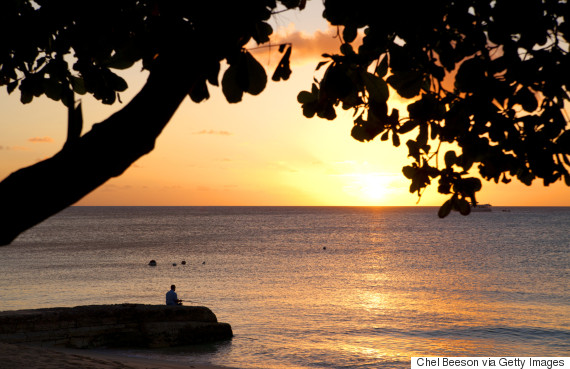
[(172, 297)]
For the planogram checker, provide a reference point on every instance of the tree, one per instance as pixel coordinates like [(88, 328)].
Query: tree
[(492, 83), (63, 48), (489, 76)]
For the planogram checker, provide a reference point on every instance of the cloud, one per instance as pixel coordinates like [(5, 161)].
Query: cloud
[(203, 188), (18, 148), (307, 48), (172, 187), (283, 166), (212, 132), (45, 139), (111, 187)]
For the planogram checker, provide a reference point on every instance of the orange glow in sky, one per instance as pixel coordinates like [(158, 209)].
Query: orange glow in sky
[(262, 151)]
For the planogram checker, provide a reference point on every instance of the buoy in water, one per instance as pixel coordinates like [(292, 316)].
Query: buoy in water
[(152, 263)]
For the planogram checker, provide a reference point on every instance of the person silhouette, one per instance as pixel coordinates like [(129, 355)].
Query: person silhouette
[(172, 297)]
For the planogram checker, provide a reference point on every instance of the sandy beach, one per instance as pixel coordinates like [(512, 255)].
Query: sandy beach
[(32, 357)]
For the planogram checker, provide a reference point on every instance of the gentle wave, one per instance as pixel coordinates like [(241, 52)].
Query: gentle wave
[(527, 333)]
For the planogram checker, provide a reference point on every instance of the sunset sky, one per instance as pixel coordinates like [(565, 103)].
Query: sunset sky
[(261, 151)]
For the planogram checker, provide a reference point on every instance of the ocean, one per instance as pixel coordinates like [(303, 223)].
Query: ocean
[(314, 287)]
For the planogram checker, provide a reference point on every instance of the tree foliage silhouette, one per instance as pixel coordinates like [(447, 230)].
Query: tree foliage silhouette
[(489, 76), (63, 48), (490, 81)]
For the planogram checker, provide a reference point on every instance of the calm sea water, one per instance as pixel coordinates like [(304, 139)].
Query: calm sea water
[(313, 287)]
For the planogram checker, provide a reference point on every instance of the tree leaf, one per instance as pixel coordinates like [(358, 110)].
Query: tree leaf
[(53, 89), (379, 109), (450, 158), (395, 139), (427, 108), (321, 64), (230, 87), (119, 61), (283, 70), (470, 75), (407, 83), (26, 97), (413, 149), (445, 209), (213, 72), (116, 82), (408, 126), (382, 68), (78, 85), (326, 111), (463, 206), (376, 86), (255, 74), (365, 130), (290, 4), (349, 33), (422, 138), (306, 97), (262, 32), (409, 171), (309, 101), (472, 184), (336, 84), (527, 99), (11, 86), (199, 91), (444, 186), (310, 109), (346, 49)]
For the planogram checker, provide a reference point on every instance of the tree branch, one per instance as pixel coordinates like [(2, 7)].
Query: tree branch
[(31, 195)]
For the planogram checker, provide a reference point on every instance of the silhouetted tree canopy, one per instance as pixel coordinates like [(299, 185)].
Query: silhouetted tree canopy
[(60, 47), (490, 76), (64, 47), (488, 79)]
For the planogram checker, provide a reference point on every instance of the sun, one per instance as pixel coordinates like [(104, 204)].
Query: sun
[(373, 186), (369, 187)]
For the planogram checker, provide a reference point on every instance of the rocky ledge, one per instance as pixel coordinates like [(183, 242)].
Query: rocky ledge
[(125, 325)]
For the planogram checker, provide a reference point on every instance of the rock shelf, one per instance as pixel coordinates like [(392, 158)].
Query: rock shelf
[(124, 325)]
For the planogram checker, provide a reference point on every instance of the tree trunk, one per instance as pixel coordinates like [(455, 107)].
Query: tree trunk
[(31, 195)]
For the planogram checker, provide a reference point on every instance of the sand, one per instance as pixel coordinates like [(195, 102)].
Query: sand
[(32, 357)]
